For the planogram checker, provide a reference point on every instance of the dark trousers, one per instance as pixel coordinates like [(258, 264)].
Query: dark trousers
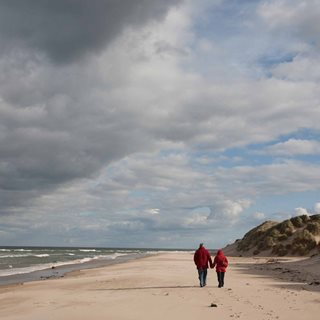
[(202, 276), (220, 276)]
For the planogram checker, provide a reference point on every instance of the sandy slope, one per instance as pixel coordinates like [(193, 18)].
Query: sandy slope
[(166, 287)]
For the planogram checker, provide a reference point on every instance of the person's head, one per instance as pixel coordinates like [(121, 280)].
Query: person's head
[(220, 252), (201, 245)]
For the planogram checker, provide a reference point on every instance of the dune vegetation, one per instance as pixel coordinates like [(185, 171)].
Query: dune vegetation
[(296, 236)]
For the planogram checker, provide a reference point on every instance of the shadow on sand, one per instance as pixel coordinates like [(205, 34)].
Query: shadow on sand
[(287, 276), (148, 288)]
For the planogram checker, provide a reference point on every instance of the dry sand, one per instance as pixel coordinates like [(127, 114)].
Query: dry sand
[(166, 287)]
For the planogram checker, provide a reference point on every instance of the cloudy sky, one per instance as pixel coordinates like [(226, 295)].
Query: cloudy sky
[(140, 123)]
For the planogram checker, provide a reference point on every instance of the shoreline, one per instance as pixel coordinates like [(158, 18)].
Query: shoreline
[(59, 265), (166, 286), (63, 270)]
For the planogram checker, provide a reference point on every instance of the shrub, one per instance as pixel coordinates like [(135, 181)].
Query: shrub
[(297, 221), (280, 250), (273, 232), (304, 243), (306, 235), (269, 242), (252, 238), (313, 228), (242, 246), (283, 237), (286, 227), (305, 218), (315, 217)]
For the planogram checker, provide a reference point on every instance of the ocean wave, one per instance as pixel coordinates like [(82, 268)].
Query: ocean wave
[(16, 256), (116, 255), (108, 256), (14, 271), (84, 260), (24, 255), (38, 267)]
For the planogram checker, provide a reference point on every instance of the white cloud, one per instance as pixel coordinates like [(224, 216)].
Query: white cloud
[(301, 211), (294, 147), (300, 17), (317, 208), (259, 215), (229, 209), (302, 67), (197, 220), (153, 211)]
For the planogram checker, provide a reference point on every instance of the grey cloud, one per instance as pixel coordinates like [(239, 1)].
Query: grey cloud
[(56, 123), (296, 19), (61, 123), (41, 158), (66, 30), (274, 179)]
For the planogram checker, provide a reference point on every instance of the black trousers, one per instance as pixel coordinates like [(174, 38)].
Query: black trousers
[(220, 276)]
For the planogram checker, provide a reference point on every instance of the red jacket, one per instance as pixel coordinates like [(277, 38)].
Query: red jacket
[(220, 262), (202, 258)]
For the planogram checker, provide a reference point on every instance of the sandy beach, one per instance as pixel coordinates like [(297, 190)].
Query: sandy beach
[(166, 287)]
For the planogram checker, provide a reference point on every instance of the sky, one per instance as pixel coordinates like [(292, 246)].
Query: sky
[(158, 124)]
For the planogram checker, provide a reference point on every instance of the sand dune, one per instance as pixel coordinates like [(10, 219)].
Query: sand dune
[(166, 287)]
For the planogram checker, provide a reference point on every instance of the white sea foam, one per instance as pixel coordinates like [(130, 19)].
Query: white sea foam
[(88, 259), (37, 267), (43, 266), (13, 271), (24, 255), (116, 255), (16, 256)]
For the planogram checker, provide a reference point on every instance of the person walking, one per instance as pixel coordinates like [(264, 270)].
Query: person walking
[(202, 259), (221, 263)]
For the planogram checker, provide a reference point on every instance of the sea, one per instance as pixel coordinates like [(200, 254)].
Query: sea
[(23, 264)]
